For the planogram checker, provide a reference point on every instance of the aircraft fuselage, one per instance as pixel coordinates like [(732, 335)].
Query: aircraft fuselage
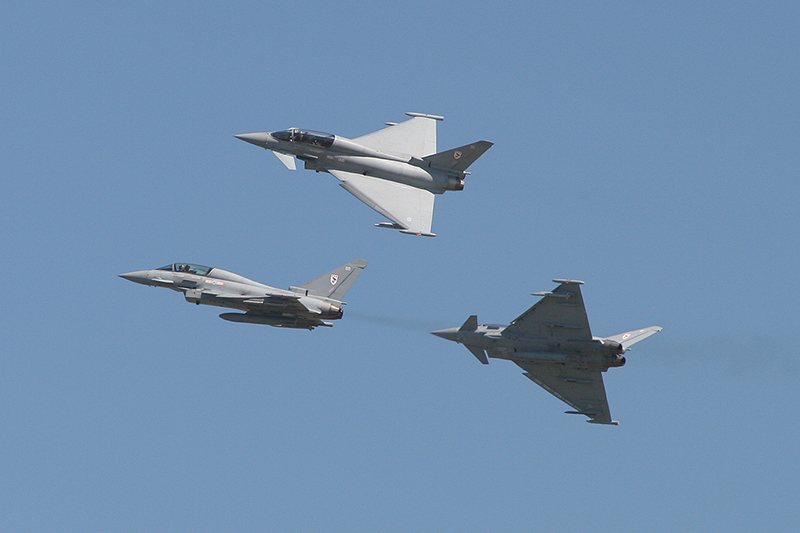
[(595, 353), (349, 156), (218, 290)]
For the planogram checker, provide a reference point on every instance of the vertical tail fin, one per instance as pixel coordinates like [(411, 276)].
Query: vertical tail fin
[(335, 284), (458, 159), (632, 337)]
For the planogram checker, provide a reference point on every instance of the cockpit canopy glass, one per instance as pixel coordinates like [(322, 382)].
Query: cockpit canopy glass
[(198, 270), (311, 138)]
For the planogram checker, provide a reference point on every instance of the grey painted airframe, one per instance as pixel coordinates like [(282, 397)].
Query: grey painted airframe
[(299, 307), (396, 170), (552, 342)]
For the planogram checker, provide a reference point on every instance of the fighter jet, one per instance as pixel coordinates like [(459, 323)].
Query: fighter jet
[(552, 342), (302, 307), (396, 170)]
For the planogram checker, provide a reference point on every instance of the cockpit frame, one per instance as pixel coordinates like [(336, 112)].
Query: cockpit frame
[(308, 137), (188, 268)]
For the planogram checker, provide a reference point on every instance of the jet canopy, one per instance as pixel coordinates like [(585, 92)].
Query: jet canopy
[(189, 268), (311, 138)]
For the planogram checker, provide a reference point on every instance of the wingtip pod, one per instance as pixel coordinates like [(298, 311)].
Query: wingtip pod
[(566, 289), (417, 233), (424, 115), (387, 225), (592, 414)]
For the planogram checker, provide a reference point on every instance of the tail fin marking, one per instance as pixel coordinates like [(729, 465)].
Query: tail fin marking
[(630, 338), (458, 159), (335, 284)]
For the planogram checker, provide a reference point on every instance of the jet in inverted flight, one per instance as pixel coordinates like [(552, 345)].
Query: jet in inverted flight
[(396, 170), (552, 342), (303, 307)]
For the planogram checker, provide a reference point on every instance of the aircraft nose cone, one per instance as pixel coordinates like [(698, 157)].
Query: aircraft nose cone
[(449, 334), (140, 276), (259, 139)]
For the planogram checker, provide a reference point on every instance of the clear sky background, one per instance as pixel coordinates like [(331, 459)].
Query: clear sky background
[(649, 149)]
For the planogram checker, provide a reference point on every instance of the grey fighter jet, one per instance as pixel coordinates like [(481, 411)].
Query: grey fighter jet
[(396, 170), (552, 342), (300, 307)]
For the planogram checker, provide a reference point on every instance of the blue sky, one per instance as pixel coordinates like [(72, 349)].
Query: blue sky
[(648, 149)]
